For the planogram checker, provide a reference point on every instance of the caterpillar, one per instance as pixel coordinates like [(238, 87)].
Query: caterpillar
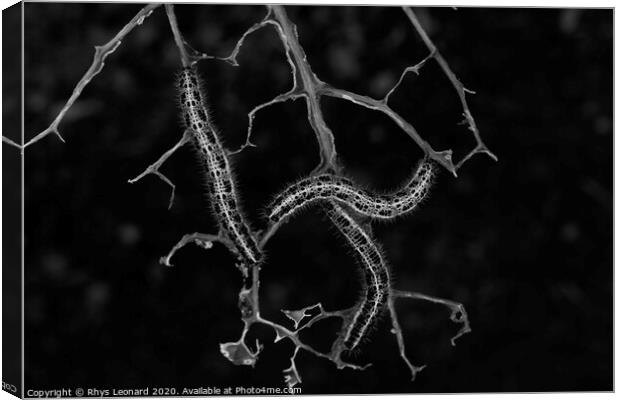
[(376, 275), (221, 189), (334, 188)]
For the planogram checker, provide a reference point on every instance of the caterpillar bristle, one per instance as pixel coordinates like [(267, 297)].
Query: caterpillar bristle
[(220, 183), (326, 187), (375, 272)]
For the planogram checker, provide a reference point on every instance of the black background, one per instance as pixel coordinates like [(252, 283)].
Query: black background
[(524, 243)]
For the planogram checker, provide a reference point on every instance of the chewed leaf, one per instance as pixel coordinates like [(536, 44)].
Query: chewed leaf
[(298, 315), (239, 353), (205, 244), (291, 376)]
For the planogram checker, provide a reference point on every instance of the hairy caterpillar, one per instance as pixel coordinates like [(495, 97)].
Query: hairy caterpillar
[(334, 188), (220, 183), (376, 275)]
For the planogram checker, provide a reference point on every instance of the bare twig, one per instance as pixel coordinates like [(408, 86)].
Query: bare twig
[(309, 84), (10, 142), (312, 88), (192, 55), (415, 69), (201, 239), (294, 93), (442, 157), (291, 95), (458, 314), (178, 38), (461, 90), (101, 52), (232, 57), (154, 168), (396, 330)]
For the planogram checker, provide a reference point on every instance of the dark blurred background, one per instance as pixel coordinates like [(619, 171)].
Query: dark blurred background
[(525, 243)]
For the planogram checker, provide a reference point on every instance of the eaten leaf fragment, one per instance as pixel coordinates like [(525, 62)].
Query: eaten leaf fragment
[(205, 244), (291, 376), (239, 353), (298, 315)]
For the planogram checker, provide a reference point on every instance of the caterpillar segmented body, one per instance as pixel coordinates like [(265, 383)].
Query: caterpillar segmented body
[(220, 182), (342, 190), (376, 274)]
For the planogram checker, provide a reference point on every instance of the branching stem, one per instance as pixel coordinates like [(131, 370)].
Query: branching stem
[(154, 168), (101, 53), (310, 85), (461, 90), (307, 85)]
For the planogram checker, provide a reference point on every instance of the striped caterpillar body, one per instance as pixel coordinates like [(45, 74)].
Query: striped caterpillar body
[(376, 275), (333, 188), (220, 183)]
